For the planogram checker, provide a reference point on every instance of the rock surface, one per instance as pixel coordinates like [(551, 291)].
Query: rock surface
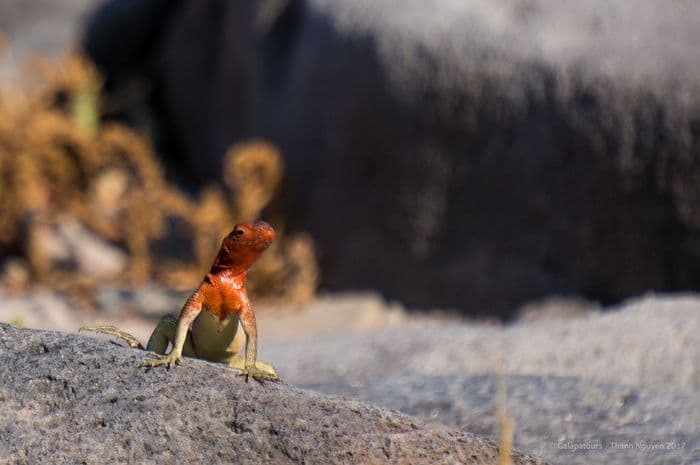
[(78, 400), (564, 420), (651, 342), (617, 387)]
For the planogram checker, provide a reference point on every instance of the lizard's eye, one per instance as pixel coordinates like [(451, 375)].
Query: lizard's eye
[(238, 232)]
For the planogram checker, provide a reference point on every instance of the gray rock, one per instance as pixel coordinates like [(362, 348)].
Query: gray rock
[(617, 388), (42, 309), (651, 343), (78, 400), (68, 244), (149, 300), (563, 420)]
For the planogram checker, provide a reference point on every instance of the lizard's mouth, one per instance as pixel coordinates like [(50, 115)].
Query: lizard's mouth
[(264, 243), (267, 234)]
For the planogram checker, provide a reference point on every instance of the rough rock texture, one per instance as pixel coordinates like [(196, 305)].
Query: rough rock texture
[(480, 153), (614, 388), (564, 420), (78, 400)]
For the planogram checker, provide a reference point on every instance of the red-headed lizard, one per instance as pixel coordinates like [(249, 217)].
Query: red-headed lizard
[(208, 325)]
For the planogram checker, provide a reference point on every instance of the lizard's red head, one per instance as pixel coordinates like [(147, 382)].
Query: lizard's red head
[(243, 246)]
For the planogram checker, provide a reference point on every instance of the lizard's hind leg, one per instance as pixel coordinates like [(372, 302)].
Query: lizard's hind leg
[(116, 332)]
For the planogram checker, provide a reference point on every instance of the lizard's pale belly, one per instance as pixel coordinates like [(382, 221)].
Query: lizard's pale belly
[(216, 340)]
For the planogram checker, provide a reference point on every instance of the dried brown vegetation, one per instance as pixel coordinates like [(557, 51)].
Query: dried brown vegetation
[(58, 161)]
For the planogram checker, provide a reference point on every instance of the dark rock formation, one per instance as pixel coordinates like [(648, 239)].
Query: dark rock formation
[(71, 399), (477, 154)]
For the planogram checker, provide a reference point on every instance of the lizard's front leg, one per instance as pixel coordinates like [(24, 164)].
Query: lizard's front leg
[(189, 312), (164, 335), (250, 368)]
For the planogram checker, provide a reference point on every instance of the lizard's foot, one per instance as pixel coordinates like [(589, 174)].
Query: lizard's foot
[(259, 373), (116, 332), (169, 360), (263, 370)]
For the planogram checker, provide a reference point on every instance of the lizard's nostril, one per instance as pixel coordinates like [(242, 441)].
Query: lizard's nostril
[(266, 228)]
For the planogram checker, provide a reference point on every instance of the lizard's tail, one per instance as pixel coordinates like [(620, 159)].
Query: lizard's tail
[(116, 332)]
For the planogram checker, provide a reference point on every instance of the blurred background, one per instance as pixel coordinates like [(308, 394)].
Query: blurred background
[(480, 155), (458, 165)]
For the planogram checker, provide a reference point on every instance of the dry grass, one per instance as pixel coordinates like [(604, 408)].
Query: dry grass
[(504, 422), (58, 161)]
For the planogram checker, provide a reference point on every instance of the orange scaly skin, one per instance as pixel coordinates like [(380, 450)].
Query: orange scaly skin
[(207, 327)]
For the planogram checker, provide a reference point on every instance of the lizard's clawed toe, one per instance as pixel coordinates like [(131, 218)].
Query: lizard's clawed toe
[(169, 360), (259, 375)]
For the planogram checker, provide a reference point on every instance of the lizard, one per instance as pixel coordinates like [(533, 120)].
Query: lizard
[(208, 324)]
